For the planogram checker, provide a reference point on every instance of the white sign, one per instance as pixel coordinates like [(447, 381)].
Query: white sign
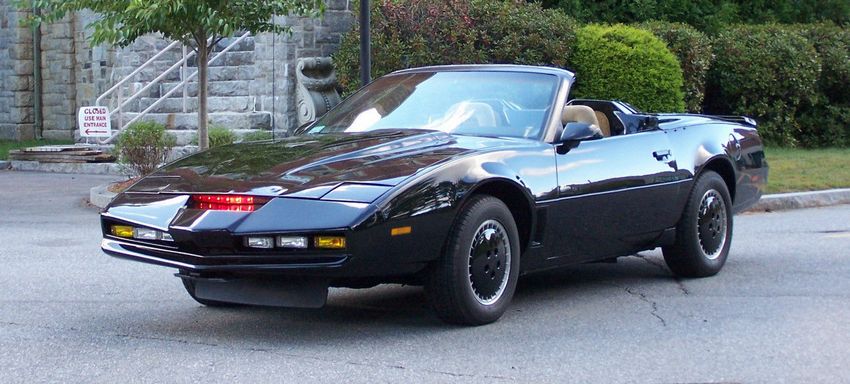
[(94, 122)]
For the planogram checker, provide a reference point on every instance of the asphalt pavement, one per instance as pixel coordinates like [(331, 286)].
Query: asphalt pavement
[(778, 312)]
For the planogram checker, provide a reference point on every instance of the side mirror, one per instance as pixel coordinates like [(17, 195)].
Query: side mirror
[(577, 131)]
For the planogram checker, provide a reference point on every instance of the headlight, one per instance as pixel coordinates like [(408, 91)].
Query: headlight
[(139, 233)]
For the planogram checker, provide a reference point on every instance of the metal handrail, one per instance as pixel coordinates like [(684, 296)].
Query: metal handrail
[(135, 72), (182, 64), (153, 82), (182, 83)]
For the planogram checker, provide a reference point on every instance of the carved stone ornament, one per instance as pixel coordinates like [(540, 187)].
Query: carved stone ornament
[(316, 88)]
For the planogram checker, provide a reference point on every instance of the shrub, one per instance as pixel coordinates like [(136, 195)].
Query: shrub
[(767, 72), (257, 136), (220, 136), (412, 33), (143, 146), (706, 15), (824, 125), (827, 122), (629, 64), (693, 49), (833, 46)]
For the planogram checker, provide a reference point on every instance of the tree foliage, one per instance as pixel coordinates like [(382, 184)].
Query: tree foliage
[(705, 15), (200, 24), (411, 33)]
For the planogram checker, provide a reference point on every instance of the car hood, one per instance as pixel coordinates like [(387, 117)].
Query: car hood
[(313, 165)]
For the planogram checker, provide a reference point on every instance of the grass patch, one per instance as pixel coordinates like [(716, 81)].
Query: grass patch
[(793, 169), (8, 145)]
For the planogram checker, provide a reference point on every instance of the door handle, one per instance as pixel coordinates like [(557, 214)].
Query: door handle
[(663, 154)]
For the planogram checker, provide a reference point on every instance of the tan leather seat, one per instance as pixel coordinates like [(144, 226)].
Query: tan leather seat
[(578, 114), (604, 125)]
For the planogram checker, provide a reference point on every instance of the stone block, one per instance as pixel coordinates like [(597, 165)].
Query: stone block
[(21, 115), (57, 134), (338, 21), (20, 52), (307, 52), (307, 40), (23, 99), (20, 83), (238, 58), (231, 73), (337, 5), (17, 132), (23, 67)]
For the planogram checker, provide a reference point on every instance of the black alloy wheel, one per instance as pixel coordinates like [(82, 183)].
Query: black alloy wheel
[(704, 232), (474, 280)]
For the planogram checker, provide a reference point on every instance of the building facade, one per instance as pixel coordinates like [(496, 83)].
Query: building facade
[(252, 85)]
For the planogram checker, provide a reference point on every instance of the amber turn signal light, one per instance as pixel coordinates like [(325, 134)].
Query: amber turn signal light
[(398, 231), (329, 242), (122, 231)]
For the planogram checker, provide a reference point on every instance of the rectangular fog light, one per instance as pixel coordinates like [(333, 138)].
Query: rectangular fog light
[(145, 234), (260, 242), (330, 242), (292, 241), (122, 231)]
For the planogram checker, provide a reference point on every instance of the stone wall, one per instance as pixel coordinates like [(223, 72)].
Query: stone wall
[(16, 83), (58, 68), (254, 85)]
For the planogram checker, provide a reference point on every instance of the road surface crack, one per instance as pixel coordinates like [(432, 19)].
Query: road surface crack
[(662, 267), (642, 296)]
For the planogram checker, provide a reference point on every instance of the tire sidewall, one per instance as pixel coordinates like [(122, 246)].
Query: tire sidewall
[(488, 208), (705, 183)]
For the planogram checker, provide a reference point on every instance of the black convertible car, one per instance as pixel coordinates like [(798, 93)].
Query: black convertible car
[(458, 178)]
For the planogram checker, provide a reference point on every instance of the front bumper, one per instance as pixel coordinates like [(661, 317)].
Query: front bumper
[(224, 264)]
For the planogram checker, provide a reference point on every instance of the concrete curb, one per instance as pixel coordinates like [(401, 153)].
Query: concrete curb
[(100, 196), (796, 200), (4, 165), (82, 168)]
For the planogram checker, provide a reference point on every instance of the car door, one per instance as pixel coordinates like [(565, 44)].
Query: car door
[(615, 194)]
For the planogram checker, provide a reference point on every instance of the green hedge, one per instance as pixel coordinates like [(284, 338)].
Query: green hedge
[(706, 15), (827, 122), (412, 33), (629, 64), (767, 72), (693, 49), (794, 79)]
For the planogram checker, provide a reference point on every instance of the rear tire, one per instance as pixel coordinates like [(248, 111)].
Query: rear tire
[(190, 289), (474, 280), (704, 232)]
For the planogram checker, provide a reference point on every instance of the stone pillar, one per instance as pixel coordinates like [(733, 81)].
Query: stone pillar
[(16, 65), (58, 65)]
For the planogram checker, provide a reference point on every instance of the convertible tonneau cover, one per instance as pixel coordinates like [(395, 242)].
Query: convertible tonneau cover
[(738, 119)]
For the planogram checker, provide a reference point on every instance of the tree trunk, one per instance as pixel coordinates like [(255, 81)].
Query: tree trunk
[(203, 66)]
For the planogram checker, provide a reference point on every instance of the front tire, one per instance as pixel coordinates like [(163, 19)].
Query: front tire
[(704, 232), (474, 280)]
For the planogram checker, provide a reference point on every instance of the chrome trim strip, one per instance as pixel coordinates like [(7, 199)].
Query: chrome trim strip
[(117, 249), (613, 191)]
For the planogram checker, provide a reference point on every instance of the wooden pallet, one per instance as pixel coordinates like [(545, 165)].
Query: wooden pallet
[(61, 154)]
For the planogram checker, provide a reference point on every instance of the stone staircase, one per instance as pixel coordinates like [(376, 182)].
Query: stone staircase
[(231, 101)]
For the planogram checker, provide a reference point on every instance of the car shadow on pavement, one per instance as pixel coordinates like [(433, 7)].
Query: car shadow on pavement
[(401, 311)]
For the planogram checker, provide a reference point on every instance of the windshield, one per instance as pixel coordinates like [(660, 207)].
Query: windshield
[(512, 104)]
